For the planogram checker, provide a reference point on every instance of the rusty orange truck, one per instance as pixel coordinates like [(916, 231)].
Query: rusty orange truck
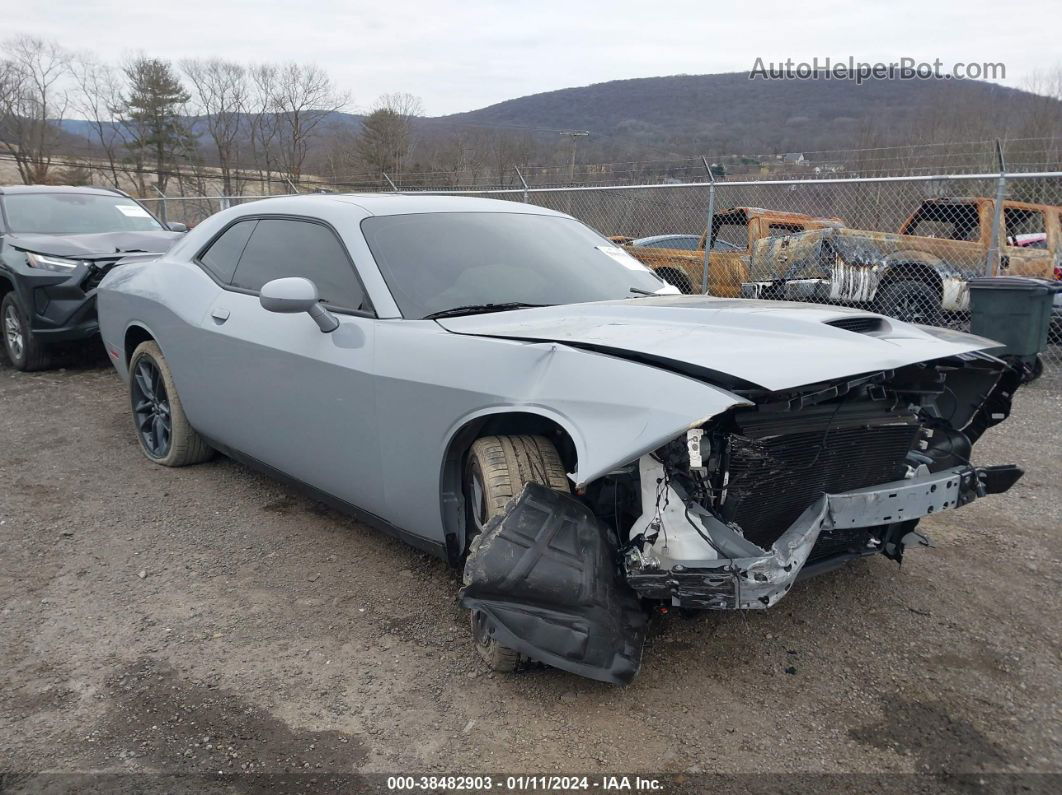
[(734, 232), (917, 274)]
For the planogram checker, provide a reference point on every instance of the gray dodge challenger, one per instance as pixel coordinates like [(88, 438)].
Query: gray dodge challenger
[(501, 386)]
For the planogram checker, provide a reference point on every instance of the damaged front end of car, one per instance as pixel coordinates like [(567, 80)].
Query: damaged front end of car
[(730, 514)]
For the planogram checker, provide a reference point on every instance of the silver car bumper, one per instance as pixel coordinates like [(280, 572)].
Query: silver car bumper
[(759, 581)]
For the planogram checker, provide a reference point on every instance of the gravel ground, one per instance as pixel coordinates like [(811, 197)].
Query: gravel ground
[(207, 619)]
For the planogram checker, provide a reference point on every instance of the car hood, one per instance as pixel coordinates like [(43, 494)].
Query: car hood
[(772, 344), (103, 245)]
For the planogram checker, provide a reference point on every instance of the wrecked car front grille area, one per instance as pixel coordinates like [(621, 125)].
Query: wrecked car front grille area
[(781, 463), (96, 273)]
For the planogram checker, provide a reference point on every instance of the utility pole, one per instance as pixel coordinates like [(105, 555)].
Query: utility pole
[(992, 262), (575, 135)]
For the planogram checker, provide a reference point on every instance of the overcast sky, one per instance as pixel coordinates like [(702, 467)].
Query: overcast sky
[(464, 54)]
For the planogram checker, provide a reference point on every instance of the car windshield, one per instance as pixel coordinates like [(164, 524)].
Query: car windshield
[(433, 262), (75, 214)]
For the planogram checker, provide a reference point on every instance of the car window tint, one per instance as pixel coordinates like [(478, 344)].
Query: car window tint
[(279, 248), (224, 253)]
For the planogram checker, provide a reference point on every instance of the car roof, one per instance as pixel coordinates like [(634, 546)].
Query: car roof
[(13, 190), (391, 204)]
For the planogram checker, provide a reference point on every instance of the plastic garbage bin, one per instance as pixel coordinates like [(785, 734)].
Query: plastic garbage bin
[(1015, 311)]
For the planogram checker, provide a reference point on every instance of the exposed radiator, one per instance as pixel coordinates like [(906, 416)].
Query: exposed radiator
[(781, 462)]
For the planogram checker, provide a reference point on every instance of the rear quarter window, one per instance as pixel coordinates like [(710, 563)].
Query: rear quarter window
[(223, 255)]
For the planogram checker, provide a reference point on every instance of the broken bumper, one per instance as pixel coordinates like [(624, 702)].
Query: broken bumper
[(547, 576), (760, 581)]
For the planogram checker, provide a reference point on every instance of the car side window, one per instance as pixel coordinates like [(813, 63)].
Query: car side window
[(280, 247), (224, 253)]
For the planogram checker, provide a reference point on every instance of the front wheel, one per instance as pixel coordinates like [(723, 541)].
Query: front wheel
[(496, 470), (23, 347), (161, 428)]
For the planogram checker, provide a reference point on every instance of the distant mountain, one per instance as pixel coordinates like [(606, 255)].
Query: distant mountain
[(732, 113), (684, 115)]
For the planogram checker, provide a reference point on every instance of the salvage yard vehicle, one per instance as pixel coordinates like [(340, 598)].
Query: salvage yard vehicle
[(918, 274), (56, 244), (734, 232), (499, 385)]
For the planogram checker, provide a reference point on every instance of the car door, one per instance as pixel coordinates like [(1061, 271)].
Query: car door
[(283, 392)]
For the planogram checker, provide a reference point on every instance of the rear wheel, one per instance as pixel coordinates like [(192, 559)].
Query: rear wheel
[(161, 427), (496, 470), (910, 301), (674, 276), (23, 347)]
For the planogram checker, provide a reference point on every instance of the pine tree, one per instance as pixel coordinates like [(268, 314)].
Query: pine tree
[(383, 141), (152, 114)]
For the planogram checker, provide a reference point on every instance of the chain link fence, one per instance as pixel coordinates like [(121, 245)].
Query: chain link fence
[(903, 246)]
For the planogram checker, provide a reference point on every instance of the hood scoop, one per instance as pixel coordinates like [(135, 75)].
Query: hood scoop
[(865, 324)]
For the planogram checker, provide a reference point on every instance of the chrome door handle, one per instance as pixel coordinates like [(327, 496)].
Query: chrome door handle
[(220, 314)]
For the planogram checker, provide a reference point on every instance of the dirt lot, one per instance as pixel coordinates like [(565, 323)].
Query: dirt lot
[(206, 619)]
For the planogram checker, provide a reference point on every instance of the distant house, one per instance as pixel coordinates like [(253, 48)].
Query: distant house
[(793, 158)]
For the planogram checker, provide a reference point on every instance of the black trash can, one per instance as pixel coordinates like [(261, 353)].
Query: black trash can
[(1015, 311)]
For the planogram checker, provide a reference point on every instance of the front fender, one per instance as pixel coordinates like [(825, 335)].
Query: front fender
[(431, 383)]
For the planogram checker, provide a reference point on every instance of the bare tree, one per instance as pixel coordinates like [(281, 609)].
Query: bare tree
[(455, 160), (32, 103), (97, 98), (263, 124), (1043, 119), (507, 150), (303, 97), (220, 95)]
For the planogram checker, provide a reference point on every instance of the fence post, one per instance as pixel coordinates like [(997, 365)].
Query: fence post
[(708, 227), (162, 205), (992, 261), (523, 182)]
